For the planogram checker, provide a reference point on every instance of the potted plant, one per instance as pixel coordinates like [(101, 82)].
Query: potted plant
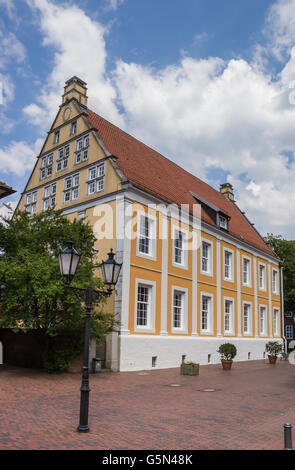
[(189, 368), (227, 351), (273, 348)]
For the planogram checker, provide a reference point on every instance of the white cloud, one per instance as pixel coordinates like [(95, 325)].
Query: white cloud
[(113, 4), (10, 7), (19, 157), (11, 49), (280, 27), (79, 47)]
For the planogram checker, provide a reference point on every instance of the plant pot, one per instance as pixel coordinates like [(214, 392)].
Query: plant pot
[(272, 359), (226, 364), (189, 369)]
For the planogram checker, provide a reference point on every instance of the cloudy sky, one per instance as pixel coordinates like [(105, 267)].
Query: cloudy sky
[(209, 84)]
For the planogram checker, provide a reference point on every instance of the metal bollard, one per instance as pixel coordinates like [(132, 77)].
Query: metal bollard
[(288, 436)]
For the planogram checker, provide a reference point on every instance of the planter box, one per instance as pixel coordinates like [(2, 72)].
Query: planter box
[(189, 369), (226, 364), (272, 359)]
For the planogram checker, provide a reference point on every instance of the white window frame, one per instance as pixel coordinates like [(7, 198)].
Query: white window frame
[(249, 281), (231, 330), (31, 201), (265, 270), (73, 123), (64, 159), (210, 319), (175, 230), (276, 322), (232, 277), (99, 177), (223, 222), (49, 196), (150, 327), (183, 329), (276, 290), (265, 323), (46, 165), (82, 151), (56, 136), (152, 254), (71, 189), (210, 257), (249, 332), (289, 328)]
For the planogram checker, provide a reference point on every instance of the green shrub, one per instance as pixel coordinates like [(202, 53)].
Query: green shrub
[(227, 351), (61, 350), (273, 348)]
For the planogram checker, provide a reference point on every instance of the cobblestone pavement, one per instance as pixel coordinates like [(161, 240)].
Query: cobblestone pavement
[(129, 410)]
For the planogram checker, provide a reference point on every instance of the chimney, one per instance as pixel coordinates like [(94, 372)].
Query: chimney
[(77, 89), (227, 190)]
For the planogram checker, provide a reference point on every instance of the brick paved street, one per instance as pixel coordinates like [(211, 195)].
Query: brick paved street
[(132, 411)]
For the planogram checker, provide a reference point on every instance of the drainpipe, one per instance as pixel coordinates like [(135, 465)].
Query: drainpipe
[(282, 308)]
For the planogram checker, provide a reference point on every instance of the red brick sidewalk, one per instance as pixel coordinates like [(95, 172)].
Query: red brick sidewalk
[(131, 411)]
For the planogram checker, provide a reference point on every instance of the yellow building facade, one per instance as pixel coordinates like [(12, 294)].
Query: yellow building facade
[(190, 281)]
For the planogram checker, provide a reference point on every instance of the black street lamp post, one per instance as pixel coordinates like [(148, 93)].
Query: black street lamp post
[(68, 263)]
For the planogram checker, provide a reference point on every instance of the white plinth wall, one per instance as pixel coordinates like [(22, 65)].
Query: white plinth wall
[(137, 351)]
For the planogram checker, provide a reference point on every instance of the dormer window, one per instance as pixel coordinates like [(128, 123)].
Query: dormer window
[(223, 222)]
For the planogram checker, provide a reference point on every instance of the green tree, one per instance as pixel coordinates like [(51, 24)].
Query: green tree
[(285, 250), (33, 294)]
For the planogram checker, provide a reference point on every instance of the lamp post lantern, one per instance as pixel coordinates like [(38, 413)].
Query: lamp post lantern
[(68, 263)]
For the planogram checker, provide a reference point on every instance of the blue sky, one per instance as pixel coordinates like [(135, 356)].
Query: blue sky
[(206, 83)]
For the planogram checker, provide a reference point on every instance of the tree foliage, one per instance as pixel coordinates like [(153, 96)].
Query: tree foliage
[(33, 294), (285, 250)]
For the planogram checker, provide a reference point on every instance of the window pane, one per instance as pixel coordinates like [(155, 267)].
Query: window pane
[(142, 305)]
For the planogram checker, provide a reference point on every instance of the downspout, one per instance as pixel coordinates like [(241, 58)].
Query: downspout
[(282, 308)]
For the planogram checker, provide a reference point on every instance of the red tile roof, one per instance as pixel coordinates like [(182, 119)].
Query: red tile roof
[(152, 172)]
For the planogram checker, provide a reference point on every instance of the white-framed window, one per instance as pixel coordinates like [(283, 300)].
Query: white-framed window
[(276, 321), (71, 188), (56, 137), (82, 148), (46, 166), (247, 318), (31, 202), (228, 268), (262, 319), (275, 281), (49, 196), (206, 313), (95, 179), (179, 237), (145, 306), (246, 271), (289, 331), (206, 257), (73, 128), (228, 316), (179, 310), (223, 222), (146, 235), (63, 155), (262, 276)]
